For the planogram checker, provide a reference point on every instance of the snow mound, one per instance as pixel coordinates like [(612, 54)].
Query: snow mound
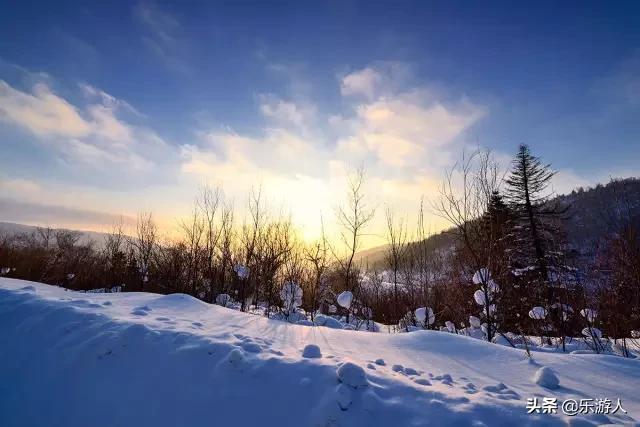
[(178, 301), (546, 378), (344, 299), (327, 321), (311, 351), (352, 375)]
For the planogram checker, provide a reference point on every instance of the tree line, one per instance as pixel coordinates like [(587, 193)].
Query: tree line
[(507, 272)]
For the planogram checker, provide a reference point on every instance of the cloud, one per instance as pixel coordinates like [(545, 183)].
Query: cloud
[(93, 134), (58, 216), (41, 111), (107, 100), (379, 79), (20, 186), (363, 82), (161, 34), (285, 112), (623, 82), (399, 127), (404, 136)]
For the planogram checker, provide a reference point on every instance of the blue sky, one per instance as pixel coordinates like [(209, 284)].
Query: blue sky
[(113, 107)]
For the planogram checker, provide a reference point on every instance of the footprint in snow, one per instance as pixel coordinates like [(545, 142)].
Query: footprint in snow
[(444, 379), (501, 391), (107, 303), (141, 311), (410, 371), (197, 324), (251, 347), (470, 388)]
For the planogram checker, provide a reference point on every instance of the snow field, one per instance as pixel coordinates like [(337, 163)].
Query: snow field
[(75, 359)]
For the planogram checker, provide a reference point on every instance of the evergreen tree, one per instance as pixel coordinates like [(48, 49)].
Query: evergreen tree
[(536, 255)]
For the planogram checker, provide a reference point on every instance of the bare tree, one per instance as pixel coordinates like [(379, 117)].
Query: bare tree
[(144, 243), (316, 255), (353, 218), (396, 251), (209, 202), (465, 203)]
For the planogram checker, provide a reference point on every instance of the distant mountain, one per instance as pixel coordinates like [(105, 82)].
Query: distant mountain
[(12, 229), (592, 215)]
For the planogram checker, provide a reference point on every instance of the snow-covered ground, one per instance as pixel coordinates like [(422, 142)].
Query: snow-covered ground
[(136, 359)]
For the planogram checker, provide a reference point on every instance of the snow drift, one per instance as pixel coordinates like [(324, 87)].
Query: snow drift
[(76, 359)]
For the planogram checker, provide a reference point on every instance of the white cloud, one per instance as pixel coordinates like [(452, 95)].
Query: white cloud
[(403, 136), (92, 135), (19, 186), (285, 112), (364, 82), (42, 111), (162, 35), (401, 129), (107, 100)]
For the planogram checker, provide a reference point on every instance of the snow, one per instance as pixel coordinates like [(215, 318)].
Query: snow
[(479, 297), (76, 359), (291, 296), (546, 378), (474, 321), (538, 313), (481, 276), (344, 299), (352, 375), (223, 299), (242, 271), (589, 314), (424, 313), (592, 332), (311, 351)]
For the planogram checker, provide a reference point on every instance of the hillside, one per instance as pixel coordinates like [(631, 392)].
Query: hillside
[(590, 217), (12, 229), (74, 359)]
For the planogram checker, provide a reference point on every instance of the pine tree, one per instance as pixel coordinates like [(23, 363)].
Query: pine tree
[(536, 255)]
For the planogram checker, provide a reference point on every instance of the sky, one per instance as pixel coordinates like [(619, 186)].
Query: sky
[(111, 108)]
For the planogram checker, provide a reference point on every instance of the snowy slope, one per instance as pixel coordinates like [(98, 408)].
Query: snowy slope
[(75, 359)]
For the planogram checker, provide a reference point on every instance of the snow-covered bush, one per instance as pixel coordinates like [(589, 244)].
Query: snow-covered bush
[(481, 276), (344, 299), (474, 322), (589, 314), (592, 333), (291, 296), (480, 297), (425, 316), (242, 271), (450, 326), (538, 313), (223, 299)]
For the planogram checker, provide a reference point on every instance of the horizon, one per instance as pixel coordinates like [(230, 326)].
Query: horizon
[(98, 124)]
